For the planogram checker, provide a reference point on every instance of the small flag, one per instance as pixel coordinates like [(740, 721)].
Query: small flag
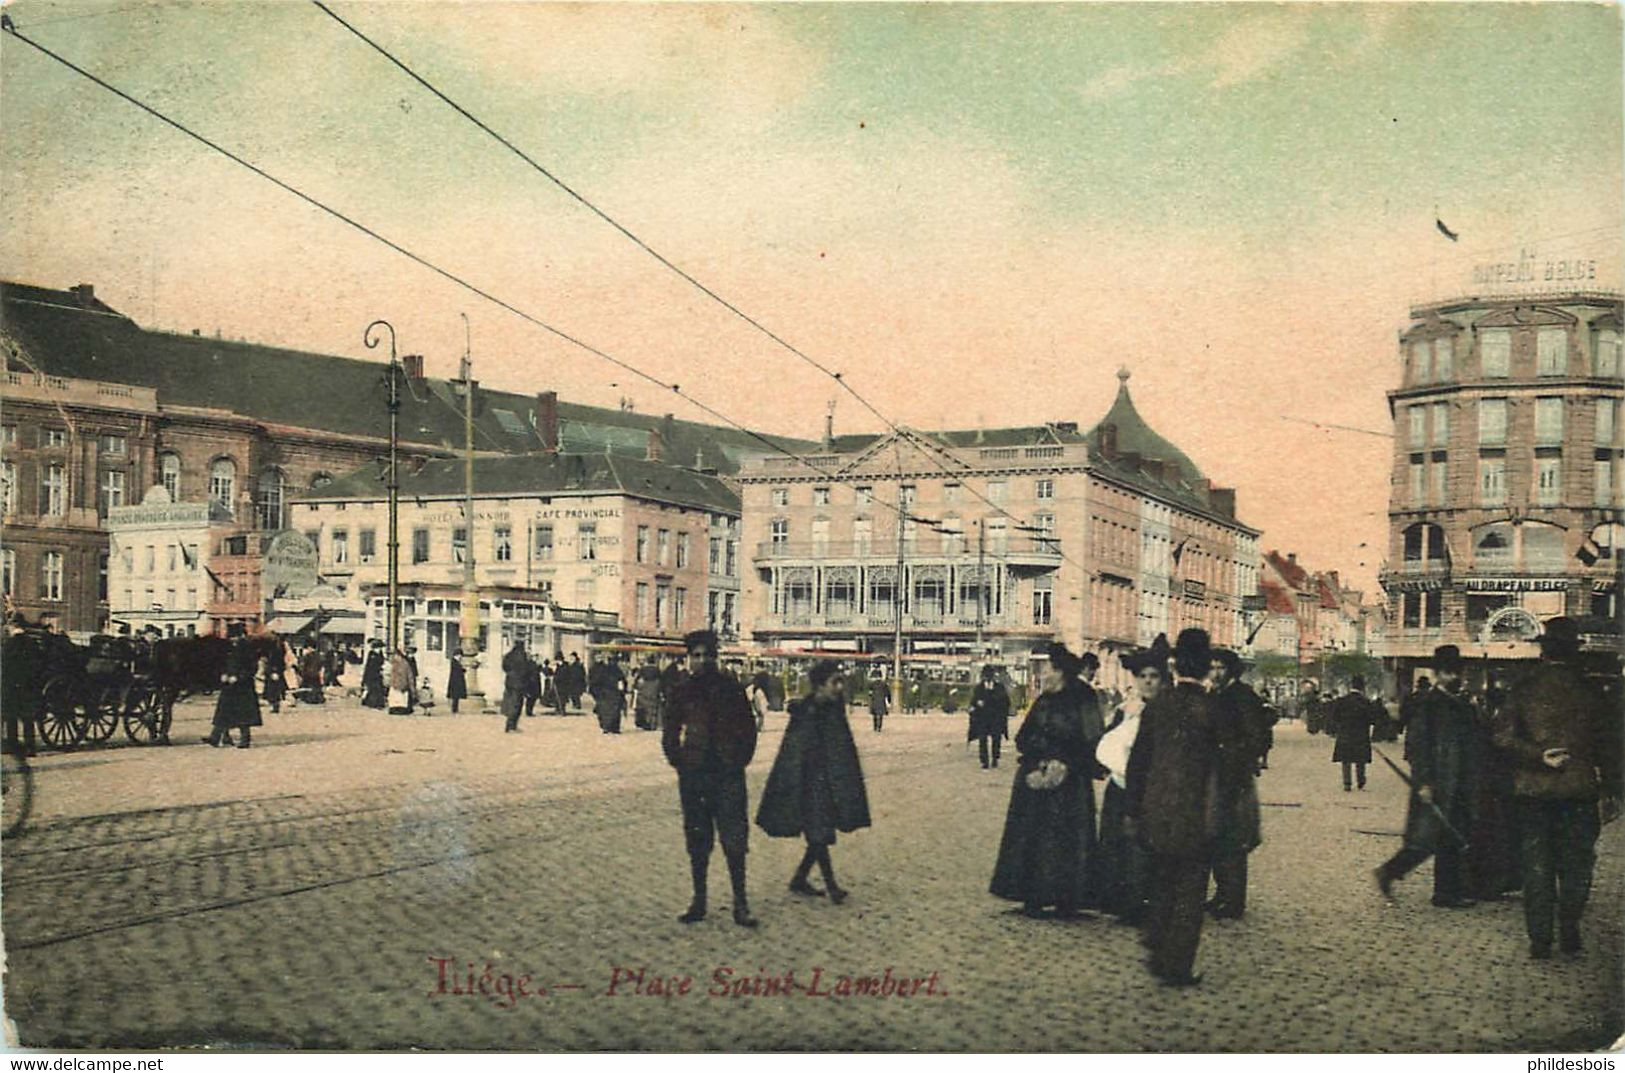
[(187, 556), (1445, 231), (1589, 552), (1180, 550)]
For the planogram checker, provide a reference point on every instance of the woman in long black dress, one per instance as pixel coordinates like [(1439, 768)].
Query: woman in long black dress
[(816, 785), (1048, 849), (236, 707), (1123, 870)]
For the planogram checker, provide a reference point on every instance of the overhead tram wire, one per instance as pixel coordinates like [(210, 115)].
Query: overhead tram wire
[(586, 203), (435, 268)]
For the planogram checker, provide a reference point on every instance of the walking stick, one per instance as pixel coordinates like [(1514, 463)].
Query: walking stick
[(1437, 812)]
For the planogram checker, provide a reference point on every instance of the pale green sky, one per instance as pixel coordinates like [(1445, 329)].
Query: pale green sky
[(977, 211)]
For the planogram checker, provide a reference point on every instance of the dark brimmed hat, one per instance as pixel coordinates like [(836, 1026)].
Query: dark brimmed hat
[(706, 639), (1447, 658), (1064, 659), (823, 671), (989, 671), (1193, 652), (1156, 656), (1229, 660), (1560, 637)]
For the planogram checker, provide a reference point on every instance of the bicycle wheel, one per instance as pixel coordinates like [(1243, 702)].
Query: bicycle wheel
[(17, 792), (64, 712)]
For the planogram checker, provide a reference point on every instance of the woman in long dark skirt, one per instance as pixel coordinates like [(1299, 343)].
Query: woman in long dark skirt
[(1048, 851), (456, 681), (816, 785), (1123, 872)]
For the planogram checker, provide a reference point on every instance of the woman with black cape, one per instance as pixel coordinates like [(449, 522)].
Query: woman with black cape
[(1048, 849), (816, 785)]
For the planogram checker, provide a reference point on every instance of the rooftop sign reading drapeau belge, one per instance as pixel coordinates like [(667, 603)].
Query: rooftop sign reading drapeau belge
[(290, 564), (1529, 268)]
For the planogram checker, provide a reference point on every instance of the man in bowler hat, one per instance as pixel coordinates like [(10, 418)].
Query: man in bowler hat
[(1441, 740), (1564, 741), (709, 737)]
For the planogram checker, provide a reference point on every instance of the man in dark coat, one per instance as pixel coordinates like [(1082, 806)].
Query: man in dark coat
[(989, 714), (1564, 741), (709, 737), (1242, 729), (373, 691), (276, 669), (816, 785), (1172, 802), (456, 680), (606, 682), (1442, 737), (1352, 717), (236, 706), (573, 681), (21, 662), (513, 685), (879, 700), (533, 684), (646, 695), (1492, 855), (1410, 706)]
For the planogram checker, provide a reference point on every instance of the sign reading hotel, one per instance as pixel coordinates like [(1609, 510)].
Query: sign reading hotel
[(1532, 272)]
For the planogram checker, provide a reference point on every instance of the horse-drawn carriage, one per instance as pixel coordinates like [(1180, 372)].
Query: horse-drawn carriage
[(87, 692)]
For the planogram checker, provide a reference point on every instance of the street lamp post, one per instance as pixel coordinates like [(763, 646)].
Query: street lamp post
[(469, 642), (393, 381)]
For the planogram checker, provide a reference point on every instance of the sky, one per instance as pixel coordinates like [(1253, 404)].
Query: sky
[(976, 213)]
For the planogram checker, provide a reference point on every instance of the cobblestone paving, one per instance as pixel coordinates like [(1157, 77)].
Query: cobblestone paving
[(297, 895)]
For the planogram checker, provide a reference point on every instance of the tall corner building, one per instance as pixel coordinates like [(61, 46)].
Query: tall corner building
[(1505, 502)]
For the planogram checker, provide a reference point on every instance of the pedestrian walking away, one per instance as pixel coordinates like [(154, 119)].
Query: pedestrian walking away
[(1563, 737), (1440, 743), (373, 688), (1173, 775), (1350, 720), (1048, 848), (400, 684), (989, 716), (816, 785), (513, 685), (709, 738)]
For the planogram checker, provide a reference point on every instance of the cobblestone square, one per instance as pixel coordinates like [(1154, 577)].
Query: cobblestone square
[(337, 886)]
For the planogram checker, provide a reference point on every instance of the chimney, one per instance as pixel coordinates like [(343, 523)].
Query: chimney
[(829, 430), (413, 365), (1108, 440), (1067, 428), (668, 430), (547, 419), (1203, 485), (86, 295), (1292, 557), (652, 452), (1223, 501)]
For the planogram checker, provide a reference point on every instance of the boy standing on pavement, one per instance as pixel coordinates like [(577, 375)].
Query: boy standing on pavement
[(709, 737)]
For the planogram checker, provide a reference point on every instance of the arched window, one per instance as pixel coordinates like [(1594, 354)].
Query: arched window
[(1424, 543), (169, 474), (223, 484), (268, 502), (1492, 546), (321, 480)]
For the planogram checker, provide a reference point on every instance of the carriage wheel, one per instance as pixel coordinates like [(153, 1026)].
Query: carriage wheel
[(142, 712), (102, 718), (62, 713)]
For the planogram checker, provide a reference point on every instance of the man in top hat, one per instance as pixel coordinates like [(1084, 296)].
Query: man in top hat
[(1351, 719), (1441, 741), (1564, 742), (1242, 727), (1175, 756), (709, 737), (989, 714)]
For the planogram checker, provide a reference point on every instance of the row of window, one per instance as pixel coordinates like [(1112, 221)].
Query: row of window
[(1429, 477), (1434, 360), (53, 573), (955, 538), (864, 494), (106, 443), (663, 546), (1429, 423), (670, 606), (175, 555)]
